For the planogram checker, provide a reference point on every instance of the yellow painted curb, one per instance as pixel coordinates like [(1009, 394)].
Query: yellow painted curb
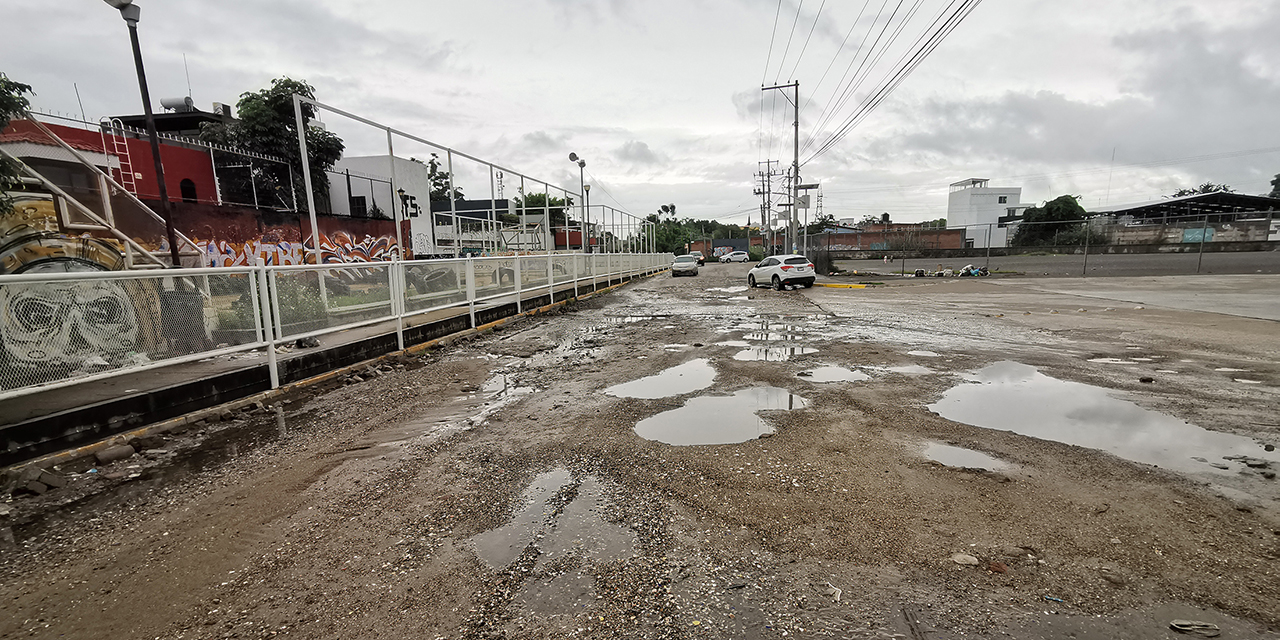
[(832, 285), (68, 455)]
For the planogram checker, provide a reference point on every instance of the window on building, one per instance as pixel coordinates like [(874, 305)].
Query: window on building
[(358, 207), (188, 189), (1004, 199), (1011, 211)]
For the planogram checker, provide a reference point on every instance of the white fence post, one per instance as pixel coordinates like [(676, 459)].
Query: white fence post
[(471, 290), (399, 292), (519, 295), (269, 332)]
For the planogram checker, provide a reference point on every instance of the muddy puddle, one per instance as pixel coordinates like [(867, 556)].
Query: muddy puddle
[(962, 458), (559, 516), (924, 353), (910, 370), (693, 375), (1011, 396), (772, 354), (738, 289), (719, 419), (833, 374)]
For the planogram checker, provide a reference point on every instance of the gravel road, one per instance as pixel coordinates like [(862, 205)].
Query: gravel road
[(494, 489)]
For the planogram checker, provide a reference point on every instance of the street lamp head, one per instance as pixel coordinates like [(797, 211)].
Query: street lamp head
[(586, 187), (573, 157), (119, 4), (128, 10)]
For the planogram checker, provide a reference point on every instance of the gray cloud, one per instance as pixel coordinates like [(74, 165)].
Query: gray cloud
[(637, 152)]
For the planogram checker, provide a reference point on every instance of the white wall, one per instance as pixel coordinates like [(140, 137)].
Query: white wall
[(982, 206)]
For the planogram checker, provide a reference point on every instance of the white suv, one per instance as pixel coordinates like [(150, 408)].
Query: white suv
[(780, 271), (736, 256)]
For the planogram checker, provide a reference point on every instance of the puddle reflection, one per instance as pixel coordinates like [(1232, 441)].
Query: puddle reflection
[(691, 376), (961, 457), (719, 419), (1015, 397)]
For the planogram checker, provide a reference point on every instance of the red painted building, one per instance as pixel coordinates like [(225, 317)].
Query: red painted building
[(188, 169)]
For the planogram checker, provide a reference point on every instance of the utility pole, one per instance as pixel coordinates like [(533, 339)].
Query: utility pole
[(795, 163), (765, 191)]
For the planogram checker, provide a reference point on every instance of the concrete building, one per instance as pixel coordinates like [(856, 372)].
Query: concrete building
[(978, 208)]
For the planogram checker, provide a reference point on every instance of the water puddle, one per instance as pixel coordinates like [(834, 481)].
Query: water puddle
[(729, 289), (963, 458), (833, 374), (580, 530), (769, 336), (499, 547), (556, 528), (719, 419), (734, 343), (772, 354), (1112, 361), (924, 354), (1230, 370), (502, 385), (1247, 381), (691, 376), (1010, 396), (738, 298), (911, 370)]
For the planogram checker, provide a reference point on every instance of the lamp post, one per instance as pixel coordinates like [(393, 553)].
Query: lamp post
[(582, 188), (130, 12), (586, 191)]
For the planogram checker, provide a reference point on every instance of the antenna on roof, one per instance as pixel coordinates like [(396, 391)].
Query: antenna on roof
[(186, 71)]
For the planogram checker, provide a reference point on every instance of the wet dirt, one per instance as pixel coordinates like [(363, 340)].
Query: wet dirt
[(361, 521)]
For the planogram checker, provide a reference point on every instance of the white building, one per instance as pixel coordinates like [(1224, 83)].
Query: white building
[(977, 208)]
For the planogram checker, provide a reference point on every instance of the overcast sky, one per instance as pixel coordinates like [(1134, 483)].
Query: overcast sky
[(662, 97)]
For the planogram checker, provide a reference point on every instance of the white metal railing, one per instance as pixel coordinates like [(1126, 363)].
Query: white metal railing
[(63, 329)]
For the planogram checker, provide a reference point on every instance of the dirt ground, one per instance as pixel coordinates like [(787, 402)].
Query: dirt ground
[(492, 489)]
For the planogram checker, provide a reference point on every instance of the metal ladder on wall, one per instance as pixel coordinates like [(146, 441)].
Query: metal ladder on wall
[(120, 147)]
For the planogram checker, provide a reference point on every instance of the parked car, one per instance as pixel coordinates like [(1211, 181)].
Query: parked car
[(698, 254), (780, 271), (686, 265), (736, 256)]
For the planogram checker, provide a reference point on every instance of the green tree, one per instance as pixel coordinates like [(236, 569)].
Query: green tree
[(439, 180), (1207, 187), (13, 104), (1041, 225), (821, 222), (537, 204), (266, 124), (1275, 187)]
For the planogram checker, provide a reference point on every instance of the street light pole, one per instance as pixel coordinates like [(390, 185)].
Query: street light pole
[(131, 12), (582, 190)]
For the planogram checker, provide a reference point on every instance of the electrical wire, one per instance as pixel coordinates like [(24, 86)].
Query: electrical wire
[(835, 57), (895, 78), (794, 22), (822, 116), (807, 38)]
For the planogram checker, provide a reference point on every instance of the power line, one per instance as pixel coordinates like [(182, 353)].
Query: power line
[(900, 74), (765, 76), (822, 116), (783, 62), (853, 26), (807, 38)]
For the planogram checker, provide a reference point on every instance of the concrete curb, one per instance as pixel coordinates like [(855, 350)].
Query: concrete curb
[(68, 455)]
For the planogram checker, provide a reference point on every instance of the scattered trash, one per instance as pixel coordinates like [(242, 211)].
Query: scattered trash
[(1053, 599), (832, 590), (996, 566), (1146, 379), (1196, 627)]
